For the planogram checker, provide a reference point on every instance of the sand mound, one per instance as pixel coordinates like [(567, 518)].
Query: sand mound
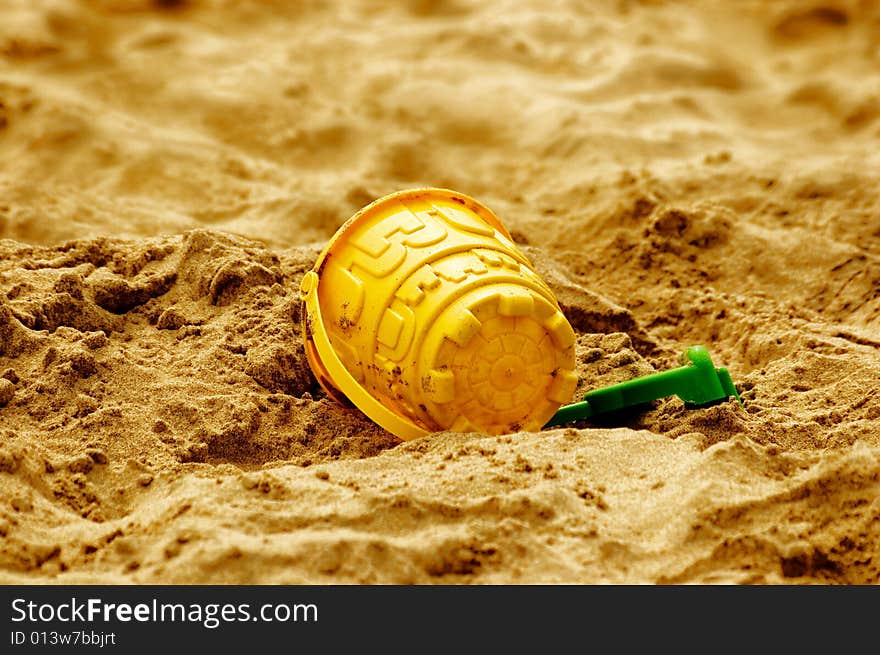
[(679, 173)]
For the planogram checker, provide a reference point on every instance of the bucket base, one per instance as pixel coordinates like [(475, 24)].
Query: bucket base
[(504, 362)]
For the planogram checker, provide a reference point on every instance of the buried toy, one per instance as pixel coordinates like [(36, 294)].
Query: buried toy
[(423, 313)]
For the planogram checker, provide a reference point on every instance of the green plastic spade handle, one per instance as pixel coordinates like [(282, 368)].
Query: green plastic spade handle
[(698, 382)]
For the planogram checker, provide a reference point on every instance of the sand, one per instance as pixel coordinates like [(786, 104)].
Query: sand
[(680, 173)]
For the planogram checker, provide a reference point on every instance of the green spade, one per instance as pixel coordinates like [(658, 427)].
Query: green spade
[(698, 383)]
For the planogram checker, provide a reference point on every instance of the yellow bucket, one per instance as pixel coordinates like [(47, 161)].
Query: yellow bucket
[(423, 313)]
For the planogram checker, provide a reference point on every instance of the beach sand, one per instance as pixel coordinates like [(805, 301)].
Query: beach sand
[(680, 173)]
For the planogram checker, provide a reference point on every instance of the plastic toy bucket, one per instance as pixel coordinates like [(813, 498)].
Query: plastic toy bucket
[(423, 313)]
